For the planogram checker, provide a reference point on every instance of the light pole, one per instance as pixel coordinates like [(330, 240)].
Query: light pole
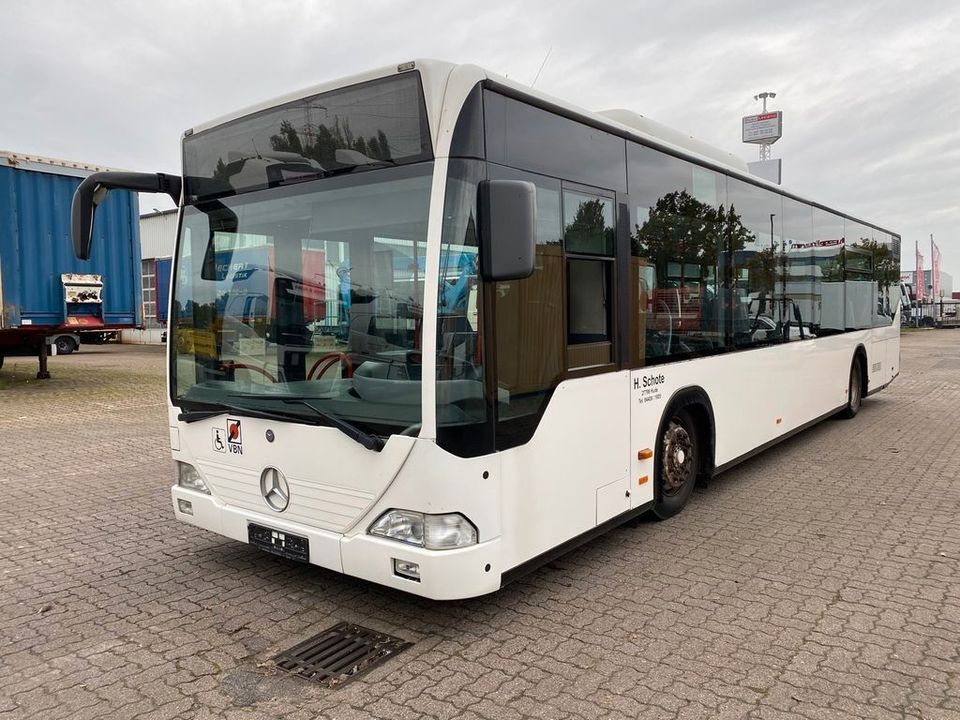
[(763, 96)]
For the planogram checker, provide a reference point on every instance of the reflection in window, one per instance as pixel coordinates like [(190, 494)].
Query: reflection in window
[(757, 246), (674, 264), (719, 263), (680, 275), (827, 259), (886, 269), (313, 294), (589, 228), (369, 125), (588, 231), (800, 294), (462, 419), (530, 337)]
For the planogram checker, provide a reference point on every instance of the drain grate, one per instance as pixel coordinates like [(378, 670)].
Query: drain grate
[(339, 654)]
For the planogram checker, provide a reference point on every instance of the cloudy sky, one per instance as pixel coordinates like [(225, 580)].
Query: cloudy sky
[(870, 90)]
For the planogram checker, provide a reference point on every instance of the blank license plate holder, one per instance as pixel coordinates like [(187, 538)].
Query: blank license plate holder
[(279, 542)]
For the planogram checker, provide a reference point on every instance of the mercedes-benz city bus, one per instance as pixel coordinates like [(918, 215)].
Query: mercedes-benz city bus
[(432, 328)]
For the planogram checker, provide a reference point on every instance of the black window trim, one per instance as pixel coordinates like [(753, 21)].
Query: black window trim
[(613, 306), (570, 114)]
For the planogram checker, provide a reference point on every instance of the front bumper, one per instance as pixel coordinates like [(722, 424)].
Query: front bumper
[(444, 574)]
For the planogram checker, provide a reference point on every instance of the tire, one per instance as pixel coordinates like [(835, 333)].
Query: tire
[(677, 463), (1, 360), (854, 391), (65, 345)]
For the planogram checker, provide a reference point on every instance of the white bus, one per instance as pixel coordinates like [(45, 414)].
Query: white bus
[(432, 328)]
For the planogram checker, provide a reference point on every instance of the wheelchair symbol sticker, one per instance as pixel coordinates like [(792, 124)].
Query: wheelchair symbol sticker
[(219, 439)]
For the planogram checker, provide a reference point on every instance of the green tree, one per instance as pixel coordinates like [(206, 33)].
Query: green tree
[(327, 139), (762, 270), (886, 267), (681, 229), (589, 231)]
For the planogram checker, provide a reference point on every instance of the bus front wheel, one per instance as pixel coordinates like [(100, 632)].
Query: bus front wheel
[(677, 464)]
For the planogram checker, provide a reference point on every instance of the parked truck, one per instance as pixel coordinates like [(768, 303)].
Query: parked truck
[(46, 294)]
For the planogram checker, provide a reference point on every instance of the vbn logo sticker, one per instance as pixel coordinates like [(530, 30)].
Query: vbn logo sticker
[(230, 440)]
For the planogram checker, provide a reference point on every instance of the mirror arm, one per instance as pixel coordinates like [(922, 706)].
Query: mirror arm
[(135, 182), (90, 193)]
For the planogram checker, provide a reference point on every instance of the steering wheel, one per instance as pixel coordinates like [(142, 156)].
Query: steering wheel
[(231, 366), (325, 362)]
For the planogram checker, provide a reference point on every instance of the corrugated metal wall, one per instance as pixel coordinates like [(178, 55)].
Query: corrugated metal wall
[(158, 235), (35, 248)]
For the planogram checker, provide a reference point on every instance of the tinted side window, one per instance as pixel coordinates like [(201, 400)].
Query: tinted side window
[(754, 235), (802, 297), (589, 242), (529, 138), (859, 284), (826, 256), (467, 138), (463, 422), (530, 334), (589, 223), (680, 274), (886, 269), (361, 126)]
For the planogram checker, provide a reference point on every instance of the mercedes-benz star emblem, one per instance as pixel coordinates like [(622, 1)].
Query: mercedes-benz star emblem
[(274, 488)]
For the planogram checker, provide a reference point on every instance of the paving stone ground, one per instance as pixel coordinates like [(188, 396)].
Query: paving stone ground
[(818, 580)]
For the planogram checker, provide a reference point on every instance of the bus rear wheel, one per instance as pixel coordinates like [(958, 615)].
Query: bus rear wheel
[(677, 464), (854, 391)]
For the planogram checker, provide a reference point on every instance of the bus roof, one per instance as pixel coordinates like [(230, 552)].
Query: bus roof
[(439, 77)]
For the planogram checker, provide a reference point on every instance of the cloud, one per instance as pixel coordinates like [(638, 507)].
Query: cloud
[(869, 89)]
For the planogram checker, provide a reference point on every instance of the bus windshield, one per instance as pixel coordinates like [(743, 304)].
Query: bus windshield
[(311, 291)]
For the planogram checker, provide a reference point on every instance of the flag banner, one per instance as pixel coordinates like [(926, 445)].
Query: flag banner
[(918, 285), (935, 269)]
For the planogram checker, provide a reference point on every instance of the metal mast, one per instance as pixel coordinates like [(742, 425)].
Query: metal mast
[(765, 146)]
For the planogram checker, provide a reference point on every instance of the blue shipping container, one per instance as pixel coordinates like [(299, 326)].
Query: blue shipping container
[(36, 248), (164, 266)]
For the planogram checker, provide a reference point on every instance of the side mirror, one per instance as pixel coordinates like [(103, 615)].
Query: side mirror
[(508, 222), (94, 189)]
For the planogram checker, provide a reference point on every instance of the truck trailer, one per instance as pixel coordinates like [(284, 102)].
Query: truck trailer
[(46, 294)]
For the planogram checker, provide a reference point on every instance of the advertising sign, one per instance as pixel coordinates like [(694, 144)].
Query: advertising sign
[(763, 128)]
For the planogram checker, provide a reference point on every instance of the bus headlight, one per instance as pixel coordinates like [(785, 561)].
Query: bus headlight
[(189, 478), (445, 532), (433, 532)]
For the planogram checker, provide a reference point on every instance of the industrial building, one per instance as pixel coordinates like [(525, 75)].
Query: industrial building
[(158, 234)]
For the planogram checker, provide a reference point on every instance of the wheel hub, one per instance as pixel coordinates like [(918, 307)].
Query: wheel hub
[(677, 458)]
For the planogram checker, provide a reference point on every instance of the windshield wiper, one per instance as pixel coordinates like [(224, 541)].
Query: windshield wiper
[(191, 416), (350, 167), (370, 442)]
